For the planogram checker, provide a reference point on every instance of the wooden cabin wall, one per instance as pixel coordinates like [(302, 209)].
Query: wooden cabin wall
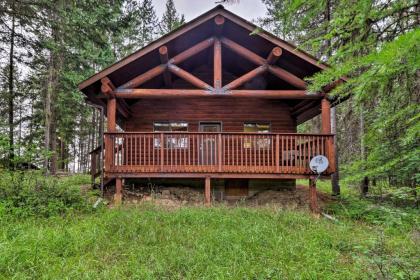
[(232, 112)]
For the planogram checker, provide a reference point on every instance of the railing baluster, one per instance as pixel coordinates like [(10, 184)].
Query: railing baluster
[(219, 151), (287, 153)]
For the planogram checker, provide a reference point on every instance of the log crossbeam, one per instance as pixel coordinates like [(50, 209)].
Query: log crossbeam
[(181, 93), (269, 62), (160, 69)]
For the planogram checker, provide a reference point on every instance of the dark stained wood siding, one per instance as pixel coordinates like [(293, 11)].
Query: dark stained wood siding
[(232, 112)]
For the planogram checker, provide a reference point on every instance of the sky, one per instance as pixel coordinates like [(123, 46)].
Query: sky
[(248, 9)]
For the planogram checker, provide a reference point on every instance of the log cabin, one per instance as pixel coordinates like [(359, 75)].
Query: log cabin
[(213, 103)]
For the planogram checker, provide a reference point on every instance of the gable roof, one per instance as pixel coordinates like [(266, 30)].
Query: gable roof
[(295, 60)]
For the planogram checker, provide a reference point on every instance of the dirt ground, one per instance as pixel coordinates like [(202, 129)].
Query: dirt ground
[(179, 196)]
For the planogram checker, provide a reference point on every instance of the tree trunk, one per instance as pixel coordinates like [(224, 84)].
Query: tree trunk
[(335, 177), (11, 92), (364, 186), (50, 100)]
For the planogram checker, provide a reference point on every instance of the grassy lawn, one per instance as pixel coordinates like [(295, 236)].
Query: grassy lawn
[(200, 243), (147, 242)]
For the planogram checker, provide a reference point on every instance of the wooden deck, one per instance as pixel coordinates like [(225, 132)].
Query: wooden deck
[(172, 154)]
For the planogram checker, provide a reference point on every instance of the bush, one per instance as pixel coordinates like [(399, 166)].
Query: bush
[(24, 194)]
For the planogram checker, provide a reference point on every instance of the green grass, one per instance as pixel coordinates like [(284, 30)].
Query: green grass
[(61, 236), (200, 243)]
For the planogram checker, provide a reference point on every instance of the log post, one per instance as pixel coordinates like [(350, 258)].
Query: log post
[(207, 192), (111, 114), (326, 128), (313, 203), (326, 115), (163, 53), (217, 52), (217, 64), (118, 191)]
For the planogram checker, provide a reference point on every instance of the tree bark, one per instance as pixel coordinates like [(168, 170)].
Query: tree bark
[(11, 91), (335, 177), (50, 100), (364, 186)]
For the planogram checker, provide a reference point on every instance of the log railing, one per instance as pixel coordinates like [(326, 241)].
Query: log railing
[(173, 152)]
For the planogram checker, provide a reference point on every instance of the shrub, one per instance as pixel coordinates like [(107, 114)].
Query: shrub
[(24, 194)]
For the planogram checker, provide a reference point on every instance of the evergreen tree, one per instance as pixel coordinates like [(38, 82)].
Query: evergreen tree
[(375, 45), (171, 19)]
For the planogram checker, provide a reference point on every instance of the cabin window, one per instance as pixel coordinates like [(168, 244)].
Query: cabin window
[(175, 140), (259, 142)]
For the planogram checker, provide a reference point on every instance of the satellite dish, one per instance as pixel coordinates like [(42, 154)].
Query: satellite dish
[(319, 164)]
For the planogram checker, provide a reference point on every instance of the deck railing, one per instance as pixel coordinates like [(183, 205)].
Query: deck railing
[(176, 152)]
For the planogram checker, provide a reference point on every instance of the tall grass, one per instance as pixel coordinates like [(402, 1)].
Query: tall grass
[(200, 243)]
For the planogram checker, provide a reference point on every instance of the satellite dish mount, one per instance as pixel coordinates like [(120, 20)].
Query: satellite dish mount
[(318, 164)]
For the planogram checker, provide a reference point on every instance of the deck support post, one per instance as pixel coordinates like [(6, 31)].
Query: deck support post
[(326, 128), (207, 191), (313, 203), (326, 115), (118, 191)]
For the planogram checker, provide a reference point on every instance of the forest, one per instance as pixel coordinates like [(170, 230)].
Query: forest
[(48, 47), (47, 131)]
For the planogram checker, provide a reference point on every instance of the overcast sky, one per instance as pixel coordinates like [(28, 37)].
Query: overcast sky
[(248, 9)]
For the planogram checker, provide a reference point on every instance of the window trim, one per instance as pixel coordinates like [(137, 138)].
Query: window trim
[(156, 141), (258, 122), (169, 123), (257, 145)]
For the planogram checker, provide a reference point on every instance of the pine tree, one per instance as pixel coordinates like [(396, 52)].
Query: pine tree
[(374, 44), (171, 19)]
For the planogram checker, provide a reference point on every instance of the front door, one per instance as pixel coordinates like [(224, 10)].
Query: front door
[(208, 142)]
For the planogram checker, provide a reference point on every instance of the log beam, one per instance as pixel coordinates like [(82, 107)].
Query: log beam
[(107, 88), (192, 51), (181, 93), (245, 78), (146, 76), (155, 71), (275, 70), (274, 55), (189, 77), (219, 20), (217, 64), (287, 76), (244, 52), (163, 53), (275, 94)]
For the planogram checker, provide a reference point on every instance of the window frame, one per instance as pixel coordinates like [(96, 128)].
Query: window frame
[(179, 143), (260, 143)]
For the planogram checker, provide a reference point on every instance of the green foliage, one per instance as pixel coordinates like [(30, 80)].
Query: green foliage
[(25, 194), (170, 19), (374, 44)]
